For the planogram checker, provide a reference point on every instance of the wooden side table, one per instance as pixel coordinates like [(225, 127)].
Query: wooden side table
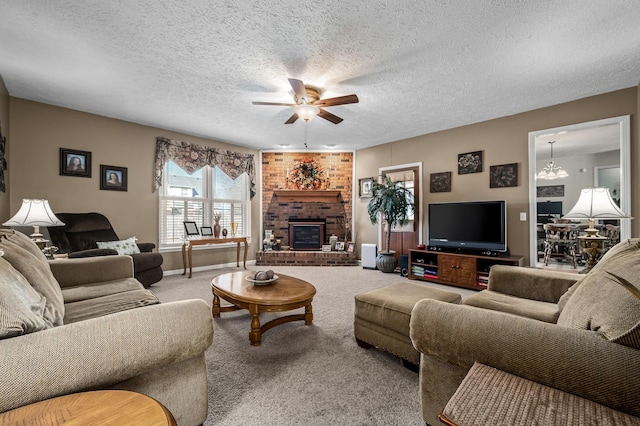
[(187, 247), (104, 407)]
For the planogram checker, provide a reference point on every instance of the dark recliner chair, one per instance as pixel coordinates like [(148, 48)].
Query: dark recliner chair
[(80, 233)]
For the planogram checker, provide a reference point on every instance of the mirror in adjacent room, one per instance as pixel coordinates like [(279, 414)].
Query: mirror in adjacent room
[(595, 153)]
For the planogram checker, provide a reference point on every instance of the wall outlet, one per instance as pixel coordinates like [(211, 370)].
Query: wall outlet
[(523, 216)]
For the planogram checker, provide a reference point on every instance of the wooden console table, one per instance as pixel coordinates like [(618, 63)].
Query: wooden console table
[(187, 246), (105, 407)]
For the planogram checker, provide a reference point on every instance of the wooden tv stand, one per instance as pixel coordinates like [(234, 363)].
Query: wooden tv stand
[(460, 270)]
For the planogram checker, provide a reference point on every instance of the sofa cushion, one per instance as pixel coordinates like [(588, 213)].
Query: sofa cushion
[(105, 305), (23, 241), (21, 307), (535, 309), (99, 289), (125, 247), (600, 303), (38, 274)]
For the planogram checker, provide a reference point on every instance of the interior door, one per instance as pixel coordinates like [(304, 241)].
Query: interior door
[(408, 235)]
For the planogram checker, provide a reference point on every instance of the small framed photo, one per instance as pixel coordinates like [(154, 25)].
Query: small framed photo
[(366, 187), (206, 231), (326, 247), (75, 163), (340, 246), (350, 247), (503, 176), (191, 228), (113, 178), (470, 162)]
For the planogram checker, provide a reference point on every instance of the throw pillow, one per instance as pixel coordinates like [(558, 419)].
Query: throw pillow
[(125, 247), (602, 303), (21, 307), (38, 274)]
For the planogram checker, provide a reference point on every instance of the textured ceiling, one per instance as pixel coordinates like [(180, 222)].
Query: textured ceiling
[(417, 66)]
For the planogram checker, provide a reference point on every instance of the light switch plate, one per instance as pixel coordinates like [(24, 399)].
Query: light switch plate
[(523, 216)]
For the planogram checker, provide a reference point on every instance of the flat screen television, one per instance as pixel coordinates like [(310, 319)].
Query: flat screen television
[(474, 226)]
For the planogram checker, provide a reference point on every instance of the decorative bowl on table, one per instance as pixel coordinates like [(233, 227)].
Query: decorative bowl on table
[(262, 278)]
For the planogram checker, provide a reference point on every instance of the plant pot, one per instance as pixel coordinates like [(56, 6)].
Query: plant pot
[(386, 261)]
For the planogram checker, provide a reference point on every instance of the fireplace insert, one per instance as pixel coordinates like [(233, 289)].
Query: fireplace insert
[(306, 234)]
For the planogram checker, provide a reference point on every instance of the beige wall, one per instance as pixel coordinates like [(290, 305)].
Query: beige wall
[(504, 140), (4, 126), (38, 131)]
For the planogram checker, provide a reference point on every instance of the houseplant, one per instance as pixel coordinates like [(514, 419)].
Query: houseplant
[(393, 203)]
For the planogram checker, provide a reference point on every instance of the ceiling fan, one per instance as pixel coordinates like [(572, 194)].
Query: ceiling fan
[(308, 103)]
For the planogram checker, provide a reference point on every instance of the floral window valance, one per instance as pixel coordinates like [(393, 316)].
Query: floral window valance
[(192, 157)]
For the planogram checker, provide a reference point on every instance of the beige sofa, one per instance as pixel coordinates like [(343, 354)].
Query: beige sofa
[(584, 341), (72, 325)]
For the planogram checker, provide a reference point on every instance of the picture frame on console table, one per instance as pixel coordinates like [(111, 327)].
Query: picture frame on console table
[(190, 228), (206, 231), (340, 246), (350, 246)]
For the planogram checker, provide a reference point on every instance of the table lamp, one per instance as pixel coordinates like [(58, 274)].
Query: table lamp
[(594, 203), (35, 213)]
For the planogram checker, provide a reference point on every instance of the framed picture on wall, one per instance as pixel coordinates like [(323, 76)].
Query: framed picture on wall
[(113, 178), (366, 187), (470, 162), (74, 162), (440, 182), (550, 191), (503, 176)]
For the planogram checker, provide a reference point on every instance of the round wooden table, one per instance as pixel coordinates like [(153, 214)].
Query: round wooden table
[(285, 294), (102, 407)]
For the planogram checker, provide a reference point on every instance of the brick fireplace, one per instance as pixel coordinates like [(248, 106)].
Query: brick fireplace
[(332, 201), (283, 203)]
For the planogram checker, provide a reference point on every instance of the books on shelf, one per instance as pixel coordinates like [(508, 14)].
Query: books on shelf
[(425, 272)]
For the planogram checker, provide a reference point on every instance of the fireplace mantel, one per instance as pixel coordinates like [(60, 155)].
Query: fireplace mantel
[(307, 196)]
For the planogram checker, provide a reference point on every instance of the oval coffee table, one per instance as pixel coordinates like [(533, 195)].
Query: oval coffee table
[(286, 294)]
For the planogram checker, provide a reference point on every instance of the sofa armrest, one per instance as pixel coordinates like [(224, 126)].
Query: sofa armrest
[(580, 362), (73, 272), (146, 247), (100, 352), (530, 283), (92, 253)]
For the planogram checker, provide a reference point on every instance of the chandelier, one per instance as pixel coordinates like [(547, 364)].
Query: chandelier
[(552, 171)]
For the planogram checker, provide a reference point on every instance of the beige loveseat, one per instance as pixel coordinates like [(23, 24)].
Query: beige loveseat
[(72, 325), (584, 341)]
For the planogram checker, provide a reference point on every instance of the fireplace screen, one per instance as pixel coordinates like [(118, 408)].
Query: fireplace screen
[(306, 235)]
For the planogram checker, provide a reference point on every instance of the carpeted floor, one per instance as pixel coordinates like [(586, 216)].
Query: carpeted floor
[(303, 375)]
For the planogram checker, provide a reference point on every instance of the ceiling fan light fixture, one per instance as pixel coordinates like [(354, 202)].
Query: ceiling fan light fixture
[(306, 112)]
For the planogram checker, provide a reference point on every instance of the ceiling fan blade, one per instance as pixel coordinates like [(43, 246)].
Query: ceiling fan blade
[(299, 90), (292, 119), (340, 100), (330, 117), (272, 103)]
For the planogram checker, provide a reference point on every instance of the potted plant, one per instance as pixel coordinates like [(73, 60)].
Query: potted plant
[(393, 203)]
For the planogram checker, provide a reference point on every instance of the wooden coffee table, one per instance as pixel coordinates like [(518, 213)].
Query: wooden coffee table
[(286, 294), (105, 407)]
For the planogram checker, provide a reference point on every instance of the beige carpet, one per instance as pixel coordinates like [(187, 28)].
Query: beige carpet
[(303, 375)]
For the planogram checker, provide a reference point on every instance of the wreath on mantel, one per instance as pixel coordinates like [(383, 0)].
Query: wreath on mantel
[(307, 174)]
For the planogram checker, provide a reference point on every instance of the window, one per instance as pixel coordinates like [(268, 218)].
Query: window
[(196, 197)]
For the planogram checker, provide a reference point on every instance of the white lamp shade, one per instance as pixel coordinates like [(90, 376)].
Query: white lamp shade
[(595, 203), (34, 213)]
